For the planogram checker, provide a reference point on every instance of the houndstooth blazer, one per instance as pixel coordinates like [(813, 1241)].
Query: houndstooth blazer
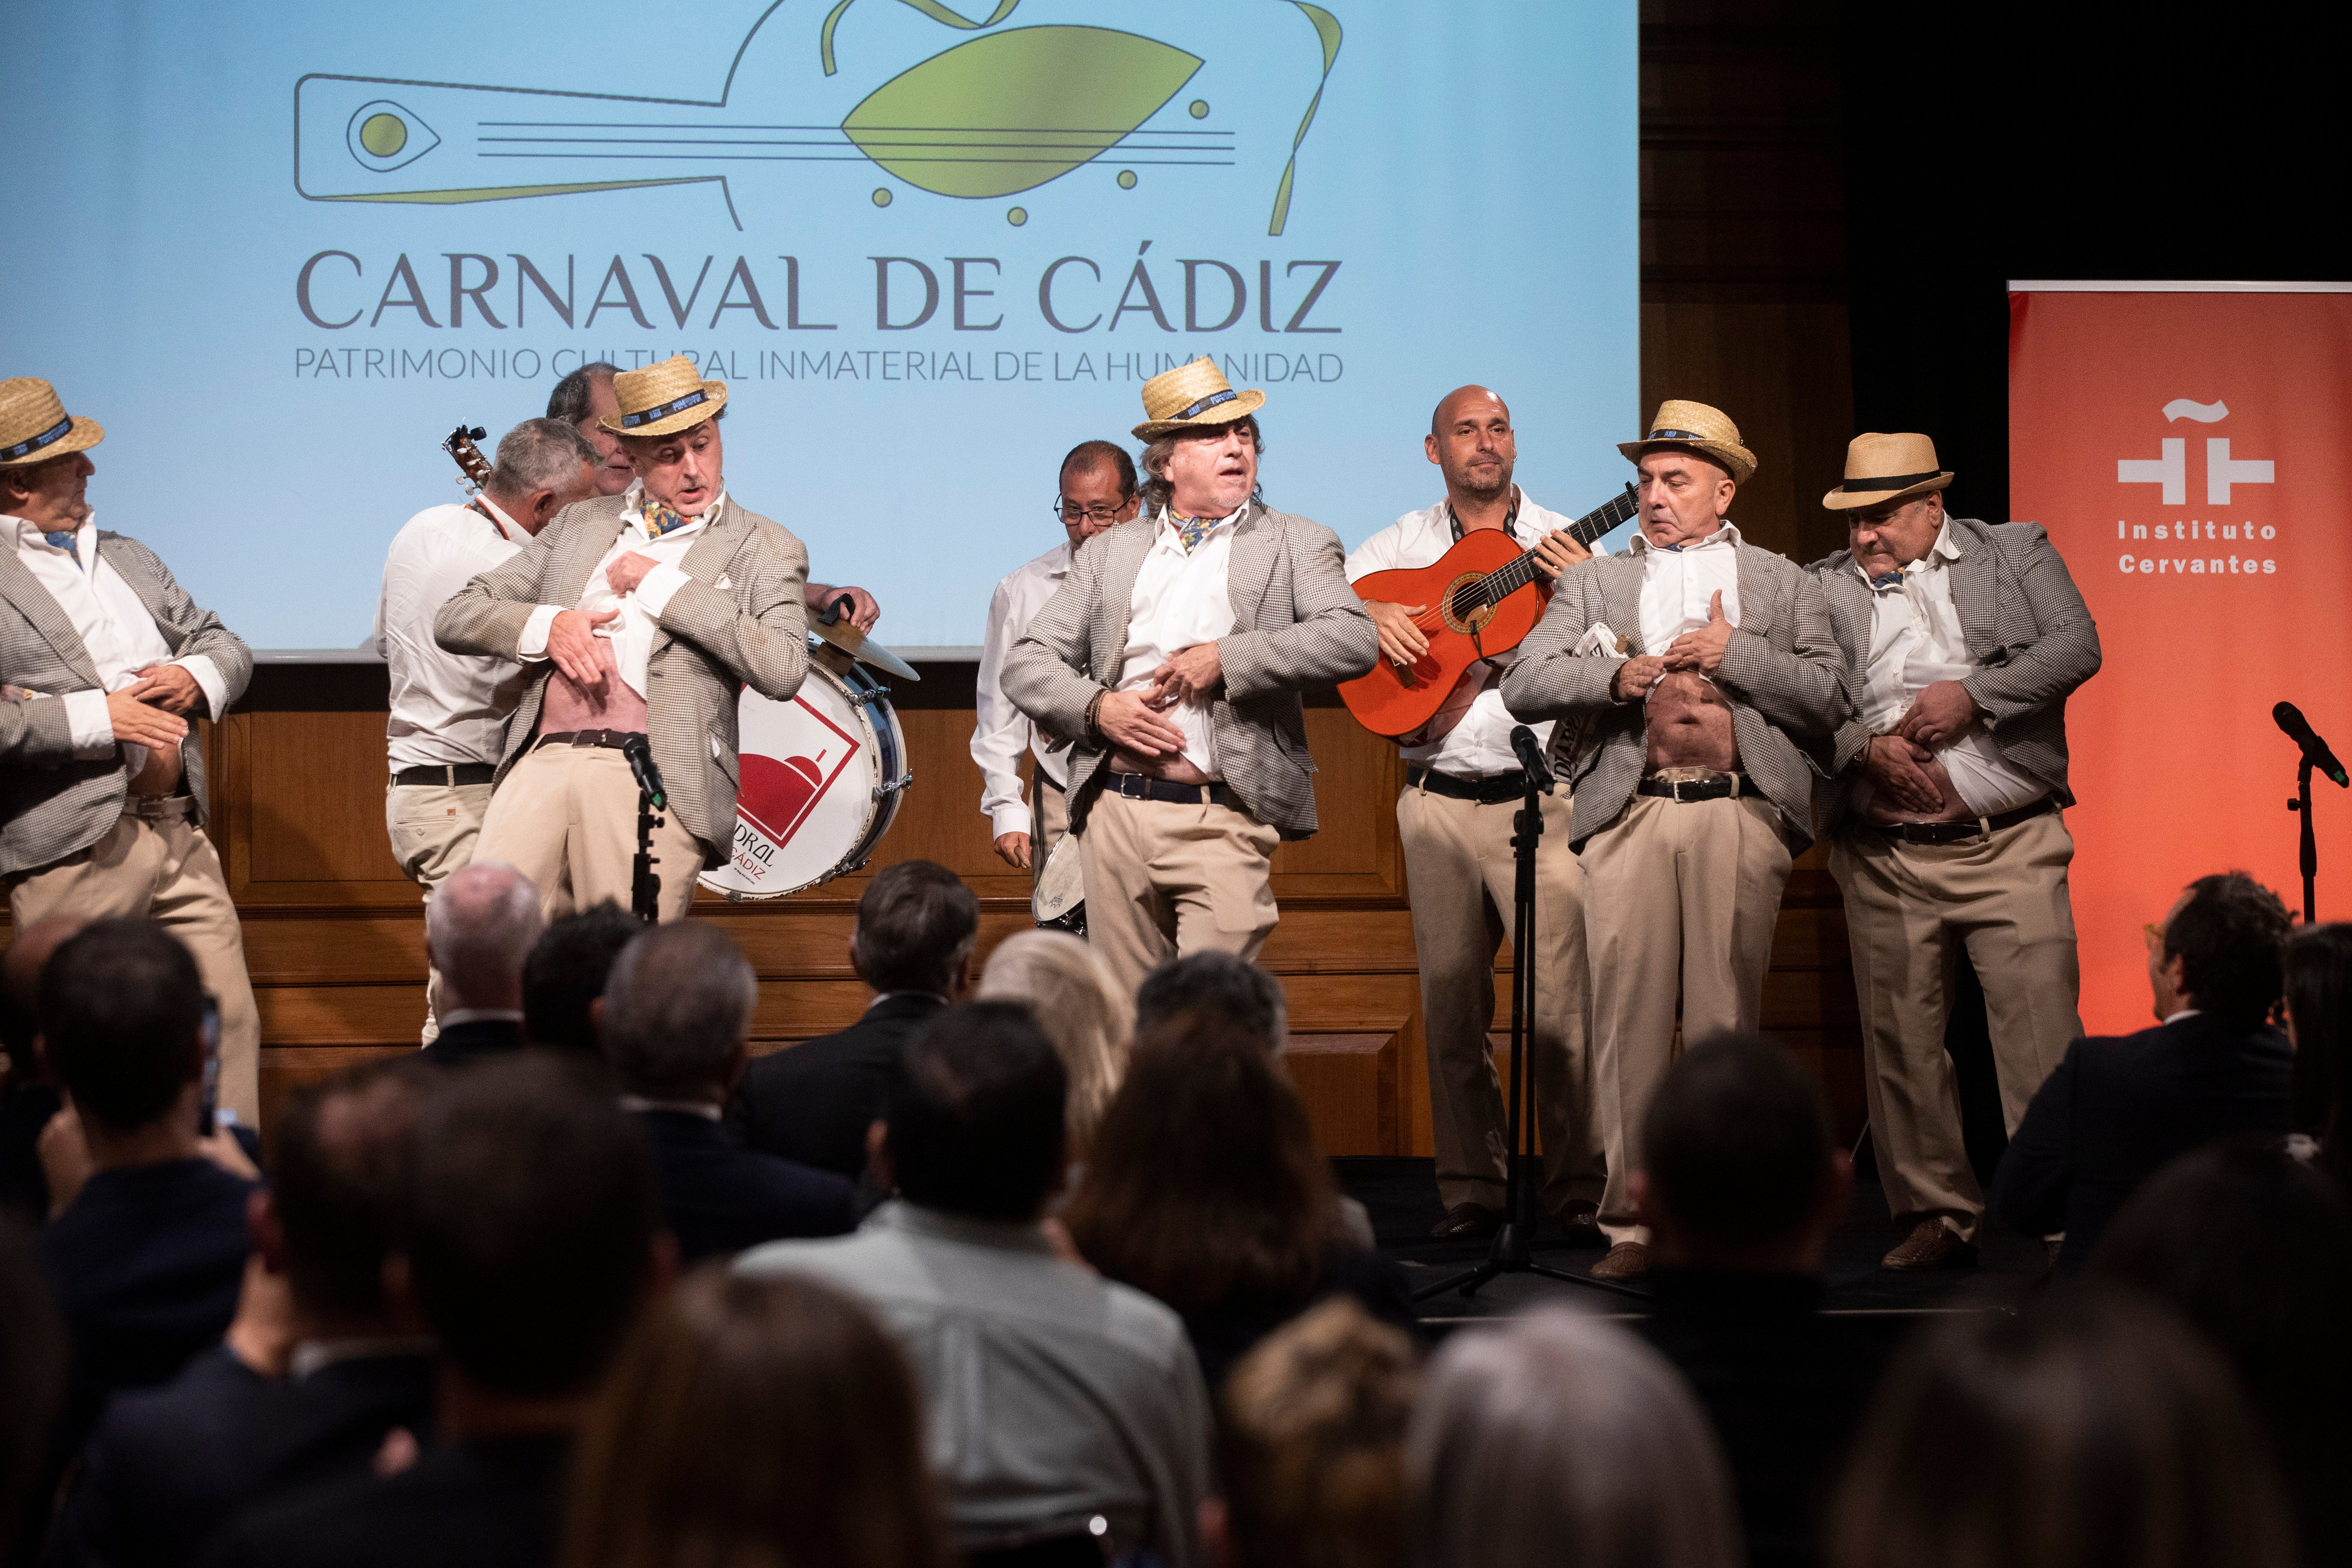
[(51, 805), (741, 621), (1781, 672), (1295, 623), (2024, 623)]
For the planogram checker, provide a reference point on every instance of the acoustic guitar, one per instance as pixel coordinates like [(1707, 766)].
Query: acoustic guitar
[(1485, 595), (459, 445)]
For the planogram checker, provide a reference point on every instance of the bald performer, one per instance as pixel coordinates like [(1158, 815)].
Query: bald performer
[(1463, 786)]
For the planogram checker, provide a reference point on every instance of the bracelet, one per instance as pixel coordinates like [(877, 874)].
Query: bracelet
[(1093, 709)]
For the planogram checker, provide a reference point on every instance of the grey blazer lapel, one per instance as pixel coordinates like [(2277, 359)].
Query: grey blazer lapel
[(1759, 596), (706, 559), (1975, 581), (1130, 542), (572, 572), (1249, 568), (40, 607), (1621, 599)]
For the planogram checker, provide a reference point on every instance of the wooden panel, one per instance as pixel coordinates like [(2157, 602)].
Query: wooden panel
[(1349, 1085)]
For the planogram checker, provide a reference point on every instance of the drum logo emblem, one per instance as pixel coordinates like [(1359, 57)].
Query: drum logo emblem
[(776, 797)]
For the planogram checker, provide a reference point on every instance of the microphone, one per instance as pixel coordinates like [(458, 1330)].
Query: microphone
[(641, 764), (1531, 757), (2315, 750)]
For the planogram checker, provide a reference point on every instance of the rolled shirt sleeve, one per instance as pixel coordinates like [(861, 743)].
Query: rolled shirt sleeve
[(91, 726), (532, 644), (655, 588), (208, 677)]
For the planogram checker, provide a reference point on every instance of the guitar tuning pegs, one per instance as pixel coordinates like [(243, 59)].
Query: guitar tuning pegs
[(476, 434)]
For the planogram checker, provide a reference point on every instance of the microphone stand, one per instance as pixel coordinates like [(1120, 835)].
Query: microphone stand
[(644, 886), (2310, 844)]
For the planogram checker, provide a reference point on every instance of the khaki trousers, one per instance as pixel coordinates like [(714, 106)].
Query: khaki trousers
[(156, 864), (1910, 908), (1164, 880), (1049, 818), (1463, 876), (566, 816), (1680, 897), (433, 828)]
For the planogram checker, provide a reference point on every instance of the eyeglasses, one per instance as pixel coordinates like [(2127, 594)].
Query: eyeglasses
[(1075, 515)]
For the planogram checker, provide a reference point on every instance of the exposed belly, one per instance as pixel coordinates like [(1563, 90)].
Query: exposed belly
[(1689, 725), (159, 774), (1881, 806), (568, 706), (1176, 769)]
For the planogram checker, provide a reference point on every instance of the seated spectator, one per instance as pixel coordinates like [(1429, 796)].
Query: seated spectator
[(1742, 1186), (1311, 1442), (478, 929), (757, 1421), (2088, 1432), (147, 1257), (2254, 1249), (2316, 971), (564, 977), (675, 1014), (1053, 1395), (1206, 1190), (1217, 984), (2115, 1109), (165, 1469), (533, 1242), (917, 925), (1562, 1438), (1079, 1004), (28, 1090), (32, 1389)]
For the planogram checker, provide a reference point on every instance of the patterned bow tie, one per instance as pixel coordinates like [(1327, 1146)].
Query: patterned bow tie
[(1886, 580), (661, 519), (1190, 531), (65, 542)]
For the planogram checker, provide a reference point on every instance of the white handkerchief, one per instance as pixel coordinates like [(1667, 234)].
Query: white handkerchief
[(1599, 642)]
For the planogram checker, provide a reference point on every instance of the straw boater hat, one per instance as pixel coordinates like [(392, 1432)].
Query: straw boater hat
[(664, 399), (1695, 427), (1192, 397), (34, 427), (1884, 470)]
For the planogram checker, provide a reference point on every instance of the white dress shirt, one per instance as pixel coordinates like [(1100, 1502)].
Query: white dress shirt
[(631, 631), (1678, 583), (446, 708), (117, 629), (1479, 744), (1915, 641), (1181, 600), (1003, 730)]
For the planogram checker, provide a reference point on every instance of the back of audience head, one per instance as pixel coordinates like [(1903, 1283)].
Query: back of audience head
[(566, 973), (478, 929), (533, 1235), (756, 1421), (1310, 1444), (1245, 998), (2317, 974), (1079, 1005), (678, 1010), (122, 1023), (2220, 954), (974, 1119), (32, 1376), (1562, 1437), (916, 927), (1740, 1164), (1205, 1184), (2090, 1430), (20, 995), (340, 1181)]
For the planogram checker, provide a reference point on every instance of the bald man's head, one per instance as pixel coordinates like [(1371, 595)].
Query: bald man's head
[(20, 982), (1455, 403), (478, 929), (1470, 439)]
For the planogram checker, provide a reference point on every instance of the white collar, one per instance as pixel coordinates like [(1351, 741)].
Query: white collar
[(1942, 551), (702, 1108), (515, 533), (31, 532), (316, 1356), (1167, 529), (482, 1016), (2184, 1013), (882, 996), (1727, 535)]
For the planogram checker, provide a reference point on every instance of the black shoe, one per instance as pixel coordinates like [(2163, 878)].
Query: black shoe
[(1467, 1221), (1580, 1224)]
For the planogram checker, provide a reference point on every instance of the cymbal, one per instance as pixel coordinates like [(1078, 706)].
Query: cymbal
[(858, 646)]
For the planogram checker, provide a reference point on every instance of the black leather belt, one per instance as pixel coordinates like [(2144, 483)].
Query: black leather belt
[(1722, 786), (1492, 790), (446, 773), (1954, 832), (612, 740), (1141, 786)]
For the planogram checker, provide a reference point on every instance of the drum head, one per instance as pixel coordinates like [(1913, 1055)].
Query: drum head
[(805, 806), (1062, 886)]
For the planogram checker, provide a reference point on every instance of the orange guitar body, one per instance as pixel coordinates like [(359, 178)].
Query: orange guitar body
[(1392, 701)]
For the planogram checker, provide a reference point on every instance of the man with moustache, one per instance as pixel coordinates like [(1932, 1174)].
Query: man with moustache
[(1463, 789), (1701, 659), (1171, 658)]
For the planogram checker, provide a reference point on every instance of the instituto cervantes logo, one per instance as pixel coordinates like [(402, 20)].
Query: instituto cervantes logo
[(2184, 546)]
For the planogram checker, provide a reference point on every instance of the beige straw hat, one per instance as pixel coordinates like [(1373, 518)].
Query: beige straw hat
[(34, 426), (664, 399), (1695, 427), (1881, 470), (1191, 396)]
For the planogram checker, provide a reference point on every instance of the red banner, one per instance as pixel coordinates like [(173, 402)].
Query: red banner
[(2189, 450)]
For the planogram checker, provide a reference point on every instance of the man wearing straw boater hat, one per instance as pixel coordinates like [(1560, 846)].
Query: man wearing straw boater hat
[(1963, 643), (1173, 656), (636, 616), (103, 660), (1696, 660)]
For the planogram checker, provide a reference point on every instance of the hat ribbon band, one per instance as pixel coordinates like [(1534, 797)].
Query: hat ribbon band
[(54, 434), (678, 405), (1678, 435), (1890, 482), (1190, 410)]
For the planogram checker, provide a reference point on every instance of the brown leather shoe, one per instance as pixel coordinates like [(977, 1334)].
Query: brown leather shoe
[(1931, 1244), (1626, 1260), (1580, 1224), (1467, 1221)]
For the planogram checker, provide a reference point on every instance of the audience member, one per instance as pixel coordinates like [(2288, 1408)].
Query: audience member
[(1563, 1438), (165, 1469), (1741, 1183), (32, 1386), (1077, 1003), (2253, 1248), (28, 1091), (2087, 1433), (756, 1421), (917, 926), (532, 1242), (1053, 1397), (564, 978), (675, 1016), (2317, 974), (478, 929), (1219, 984), (1206, 1190), (1310, 1443), (2115, 1109)]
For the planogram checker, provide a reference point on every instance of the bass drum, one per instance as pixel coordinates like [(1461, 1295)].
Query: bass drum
[(823, 776)]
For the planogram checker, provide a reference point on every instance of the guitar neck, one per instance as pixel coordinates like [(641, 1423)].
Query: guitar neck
[(1517, 573)]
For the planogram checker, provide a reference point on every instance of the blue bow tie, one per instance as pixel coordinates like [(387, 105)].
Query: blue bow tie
[(65, 542), (1886, 580)]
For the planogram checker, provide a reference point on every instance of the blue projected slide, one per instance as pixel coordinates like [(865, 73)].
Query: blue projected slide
[(930, 244)]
